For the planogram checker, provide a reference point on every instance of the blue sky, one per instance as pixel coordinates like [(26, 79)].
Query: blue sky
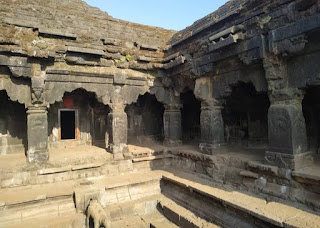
[(169, 14)]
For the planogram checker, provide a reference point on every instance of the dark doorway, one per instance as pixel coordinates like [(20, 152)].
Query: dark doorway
[(190, 114), (145, 120), (68, 124), (246, 116), (311, 112)]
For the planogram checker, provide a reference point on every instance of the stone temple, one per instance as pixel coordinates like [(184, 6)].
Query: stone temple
[(108, 123)]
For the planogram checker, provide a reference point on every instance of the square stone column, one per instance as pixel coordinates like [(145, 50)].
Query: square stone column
[(172, 126), (37, 132), (118, 124), (212, 128), (287, 135)]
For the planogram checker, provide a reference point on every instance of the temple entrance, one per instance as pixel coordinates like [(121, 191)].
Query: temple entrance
[(190, 117), (145, 120), (311, 112), (246, 116), (68, 124), (80, 119)]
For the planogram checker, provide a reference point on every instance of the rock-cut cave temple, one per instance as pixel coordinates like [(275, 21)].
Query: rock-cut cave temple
[(109, 123)]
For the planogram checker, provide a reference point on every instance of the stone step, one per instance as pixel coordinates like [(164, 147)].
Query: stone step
[(183, 217), (19, 214), (142, 207), (29, 194), (64, 173), (162, 224), (64, 221), (243, 203)]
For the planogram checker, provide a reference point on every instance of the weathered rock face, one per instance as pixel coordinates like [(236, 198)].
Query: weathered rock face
[(269, 46), (49, 48)]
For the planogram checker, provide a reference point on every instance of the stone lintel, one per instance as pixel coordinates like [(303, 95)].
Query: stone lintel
[(231, 39), (178, 61), (111, 41), (227, 31), (85, 50), (57, 32), (147, 46), (22, 23), (170, 57), (301, 26)]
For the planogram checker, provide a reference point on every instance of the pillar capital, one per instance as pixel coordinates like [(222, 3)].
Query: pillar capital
[(212, 104), (172, 107), (117, 107), (37, 109), (287, 96)]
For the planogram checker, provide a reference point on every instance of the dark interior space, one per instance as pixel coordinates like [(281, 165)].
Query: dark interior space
[(311, 112), (100, 113), (190, 117), (92, 119), (246, 116), (68, 124), (145, 120), (13, 126)]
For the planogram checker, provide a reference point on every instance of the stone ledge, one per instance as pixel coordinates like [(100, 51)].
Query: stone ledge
[(273, 212), (86, 166), (56, 32), (54, 170), (151, 158), (249, 174), (273, 170), (85, 50), (181, 216)]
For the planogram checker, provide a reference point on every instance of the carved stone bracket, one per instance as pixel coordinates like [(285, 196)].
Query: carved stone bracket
[(37, 95), (290, 45), (17, 90), (276, 72)]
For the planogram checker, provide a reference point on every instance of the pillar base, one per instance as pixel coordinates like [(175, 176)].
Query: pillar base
[(172, 143), (119, 151), (289, 161), (210, 149), (37, 156)]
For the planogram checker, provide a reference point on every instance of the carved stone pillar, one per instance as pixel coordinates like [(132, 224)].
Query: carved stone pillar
[(286, 123), (117, 119), (172, 125), (37, 131), (37, 118), (287, 131), (212, 127)]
